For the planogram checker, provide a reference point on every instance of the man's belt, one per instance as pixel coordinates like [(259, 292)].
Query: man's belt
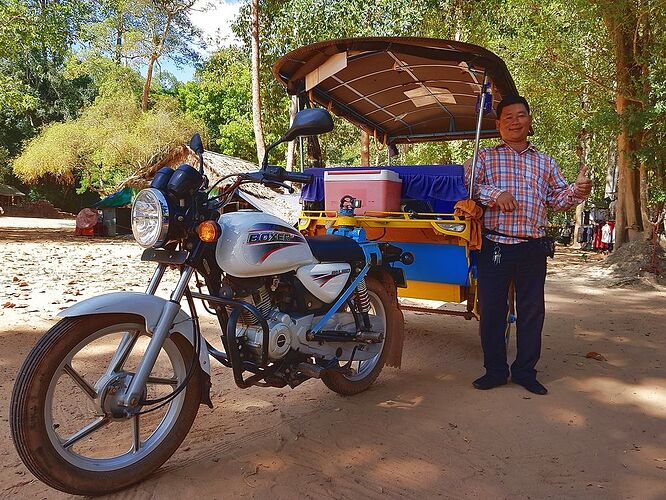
[(485, 231), (546, 243)]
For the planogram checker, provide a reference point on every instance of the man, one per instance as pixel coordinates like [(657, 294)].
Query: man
[(516, 183)]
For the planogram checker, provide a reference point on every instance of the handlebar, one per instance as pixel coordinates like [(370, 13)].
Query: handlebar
[(272, 176), (299, 177), (279, 174)]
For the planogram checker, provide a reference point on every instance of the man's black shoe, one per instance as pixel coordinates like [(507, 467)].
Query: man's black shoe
[(534, 386), (487, 382)]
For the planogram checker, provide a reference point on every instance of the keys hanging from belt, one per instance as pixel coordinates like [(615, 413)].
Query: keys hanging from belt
[(497, 254)]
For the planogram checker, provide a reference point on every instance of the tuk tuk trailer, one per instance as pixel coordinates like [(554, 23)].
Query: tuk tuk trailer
[(401, 91)]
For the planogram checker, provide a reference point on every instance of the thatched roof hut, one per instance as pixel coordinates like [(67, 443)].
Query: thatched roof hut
[(218, 165), (8, 195)]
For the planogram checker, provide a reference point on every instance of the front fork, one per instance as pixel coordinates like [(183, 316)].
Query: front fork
[(135, 390)]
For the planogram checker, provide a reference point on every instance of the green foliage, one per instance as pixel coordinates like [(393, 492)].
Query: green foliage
[(35, 40), (107, 77), (221, 98), (34, 194), (68, 72), (109, 141), (5, 167), (129, 32), (288, 25), (46, 82)]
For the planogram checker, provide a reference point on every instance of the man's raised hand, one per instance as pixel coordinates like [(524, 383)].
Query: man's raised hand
[(583, 184)]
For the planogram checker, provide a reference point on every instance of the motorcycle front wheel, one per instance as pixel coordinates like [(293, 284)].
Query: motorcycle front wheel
[(67, 425), (362, 374)]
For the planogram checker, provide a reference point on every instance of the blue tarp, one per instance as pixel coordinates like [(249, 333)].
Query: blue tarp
[(439, 185)]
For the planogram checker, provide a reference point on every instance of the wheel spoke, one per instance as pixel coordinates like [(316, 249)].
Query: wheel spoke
[(86, 431), (162, 381), (123, 351), (80, 381), (136, 434)]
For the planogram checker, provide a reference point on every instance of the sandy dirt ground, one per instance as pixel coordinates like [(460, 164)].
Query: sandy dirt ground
[(419, 432)]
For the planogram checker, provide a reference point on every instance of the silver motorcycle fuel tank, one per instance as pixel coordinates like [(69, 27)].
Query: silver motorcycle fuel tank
[(256, 244)]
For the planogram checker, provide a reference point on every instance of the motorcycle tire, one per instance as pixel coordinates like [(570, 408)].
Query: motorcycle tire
[(48, 456), (350, 385)]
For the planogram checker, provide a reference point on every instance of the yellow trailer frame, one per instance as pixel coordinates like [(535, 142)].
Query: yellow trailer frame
[(400, 227)]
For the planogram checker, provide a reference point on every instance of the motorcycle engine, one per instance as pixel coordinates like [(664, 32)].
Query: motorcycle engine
[(249, 329), (279, 335)]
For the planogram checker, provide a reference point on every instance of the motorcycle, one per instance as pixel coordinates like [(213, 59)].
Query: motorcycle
[(109, 393)]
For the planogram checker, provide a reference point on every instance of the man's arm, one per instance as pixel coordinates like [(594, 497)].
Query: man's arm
[(484, 193), (561, 194)]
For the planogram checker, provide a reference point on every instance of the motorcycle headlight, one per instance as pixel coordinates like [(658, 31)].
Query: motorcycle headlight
[(150, 218)]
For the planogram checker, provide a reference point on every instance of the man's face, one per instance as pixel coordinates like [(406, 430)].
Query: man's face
[(515, 123)]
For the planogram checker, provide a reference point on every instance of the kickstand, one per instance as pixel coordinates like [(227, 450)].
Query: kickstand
[(347, 366)]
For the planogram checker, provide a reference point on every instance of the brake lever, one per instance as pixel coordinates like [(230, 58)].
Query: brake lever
[(253, 177)]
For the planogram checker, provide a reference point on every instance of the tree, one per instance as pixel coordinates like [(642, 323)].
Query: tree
[(299, 22), (169, 28), (109, 141), (221, 97), (35, 41), (140, 33), (638, 54), (256, 88)]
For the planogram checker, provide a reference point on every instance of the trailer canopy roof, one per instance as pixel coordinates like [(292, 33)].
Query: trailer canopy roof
[(399, 89)]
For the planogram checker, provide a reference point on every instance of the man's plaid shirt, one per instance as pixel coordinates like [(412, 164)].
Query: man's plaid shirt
[(534, 180)]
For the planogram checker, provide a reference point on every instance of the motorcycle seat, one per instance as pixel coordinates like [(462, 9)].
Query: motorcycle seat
[(335, 248)]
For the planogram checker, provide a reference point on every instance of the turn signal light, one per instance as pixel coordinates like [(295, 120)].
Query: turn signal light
[(209, 231)]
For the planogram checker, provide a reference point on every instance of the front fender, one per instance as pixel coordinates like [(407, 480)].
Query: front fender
[(148, 306)]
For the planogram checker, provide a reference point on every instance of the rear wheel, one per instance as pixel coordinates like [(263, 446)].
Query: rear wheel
[(363, 373), (66, 422)]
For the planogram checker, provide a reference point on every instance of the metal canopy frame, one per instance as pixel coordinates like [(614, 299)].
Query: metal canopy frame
[(371, 88)]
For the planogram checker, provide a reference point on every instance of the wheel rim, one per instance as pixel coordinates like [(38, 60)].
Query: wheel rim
[(93, 439), (377, 313)]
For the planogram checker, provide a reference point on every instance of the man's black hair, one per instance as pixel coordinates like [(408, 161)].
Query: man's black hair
[(512, 99)]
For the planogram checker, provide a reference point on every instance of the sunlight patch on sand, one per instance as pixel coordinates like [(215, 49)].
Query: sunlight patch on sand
[(402, 403), (649, 395)]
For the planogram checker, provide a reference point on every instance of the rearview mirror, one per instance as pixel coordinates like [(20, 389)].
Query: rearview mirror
[(311, 121)]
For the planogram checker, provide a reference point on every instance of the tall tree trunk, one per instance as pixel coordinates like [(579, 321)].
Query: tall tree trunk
[(256, 90), (293, 109), (153, 59), (146, 85), (365, 148), (629, 223), (582, 150), (644, 203), (120, 30), (610, 190), (315, 156)]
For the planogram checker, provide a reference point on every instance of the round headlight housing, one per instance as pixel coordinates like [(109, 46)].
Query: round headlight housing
[(150, 218)]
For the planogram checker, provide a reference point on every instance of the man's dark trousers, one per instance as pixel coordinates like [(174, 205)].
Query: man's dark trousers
[(525, 263)]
